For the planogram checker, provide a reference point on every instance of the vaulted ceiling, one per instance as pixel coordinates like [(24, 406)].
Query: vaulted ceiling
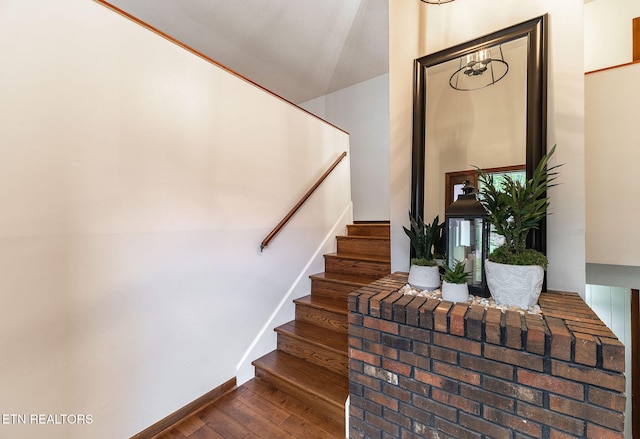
[(298, 49)]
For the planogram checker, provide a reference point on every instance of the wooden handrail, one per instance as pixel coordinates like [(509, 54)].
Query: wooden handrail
[(305, 197)]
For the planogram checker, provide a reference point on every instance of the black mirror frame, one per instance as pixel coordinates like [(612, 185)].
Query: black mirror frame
[(536, 124)]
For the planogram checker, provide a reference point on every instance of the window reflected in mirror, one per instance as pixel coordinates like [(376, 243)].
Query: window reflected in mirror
[(455, 181)]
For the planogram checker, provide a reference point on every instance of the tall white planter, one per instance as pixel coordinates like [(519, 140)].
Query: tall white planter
[(514, 285), (455, 292), (424, 278)]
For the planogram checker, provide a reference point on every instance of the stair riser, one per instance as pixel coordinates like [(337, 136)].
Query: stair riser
[(381, 230), (334, 361), (322, 318), (327, 288), (329, 408), (364, 246), (357, 267)]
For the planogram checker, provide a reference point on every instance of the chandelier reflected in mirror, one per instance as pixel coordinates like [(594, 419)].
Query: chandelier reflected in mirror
[(480, 69)]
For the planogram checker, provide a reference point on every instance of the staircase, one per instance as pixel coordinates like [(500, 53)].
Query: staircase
[(311, 360)]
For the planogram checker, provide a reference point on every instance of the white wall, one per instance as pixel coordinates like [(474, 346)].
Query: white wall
[(612, 163), (363, 111), (418, 29), (136, 183), (608, 32)]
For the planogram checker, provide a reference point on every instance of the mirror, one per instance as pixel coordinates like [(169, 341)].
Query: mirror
[(490, 125)]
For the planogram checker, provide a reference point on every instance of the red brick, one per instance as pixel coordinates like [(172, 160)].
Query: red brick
[(367, 357), (396, 418), (560, 339), (355, 342), (512, 390), (382, 399), (365, 380), (517, 358), (396, 367), (613, 357), (589, 375), (487, 428), (387, 304), (436, 380), (355, 319), (374, 303), (536, 334), (512, 422), (446, 355), (457, 373), (488, 398), (379, 349), (366, 333), (396, 392), (356, 412), (453, 430), (456, 319), (396, 342), (603, 398), (493, 326), (585, 349), (556, 420), (365, 404), (381, 325), (474, 319), (400, 308), (513, 330), (436, 408), (415, 360), (440, 317), (426, 313), (555, 434), (552, 384), (418, 415), (382, 424), (597, 432), (456, 401), (594, 414), (361, 429), (413, 311), (457, 343), (488, 367), (415, 334)]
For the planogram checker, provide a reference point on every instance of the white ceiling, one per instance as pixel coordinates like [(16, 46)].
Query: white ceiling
[(298, 49)]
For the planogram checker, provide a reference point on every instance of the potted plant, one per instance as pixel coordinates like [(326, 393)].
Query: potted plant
[(514, 272), (454, 283), (424, 272)]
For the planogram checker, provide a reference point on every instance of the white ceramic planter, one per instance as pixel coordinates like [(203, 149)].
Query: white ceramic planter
[(424, 278), (455, 292), (514, 285)]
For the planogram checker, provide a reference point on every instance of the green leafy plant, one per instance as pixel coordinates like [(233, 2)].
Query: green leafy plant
[(455, 275), (514, 208), (423, 237)]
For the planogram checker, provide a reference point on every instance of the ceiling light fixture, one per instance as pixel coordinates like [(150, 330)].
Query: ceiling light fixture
[(480, 69)]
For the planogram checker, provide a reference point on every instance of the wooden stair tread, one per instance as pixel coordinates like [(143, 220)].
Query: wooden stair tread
[(338, 306), (381, 259), (315, 380), (316, 335), (357, 281)]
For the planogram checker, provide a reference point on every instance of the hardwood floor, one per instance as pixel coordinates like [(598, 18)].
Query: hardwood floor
[(257, 410)]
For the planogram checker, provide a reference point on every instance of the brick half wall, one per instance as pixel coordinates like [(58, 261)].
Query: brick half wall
[(424, 368)]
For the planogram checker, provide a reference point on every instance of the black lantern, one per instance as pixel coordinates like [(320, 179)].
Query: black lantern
[(468, 237)]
